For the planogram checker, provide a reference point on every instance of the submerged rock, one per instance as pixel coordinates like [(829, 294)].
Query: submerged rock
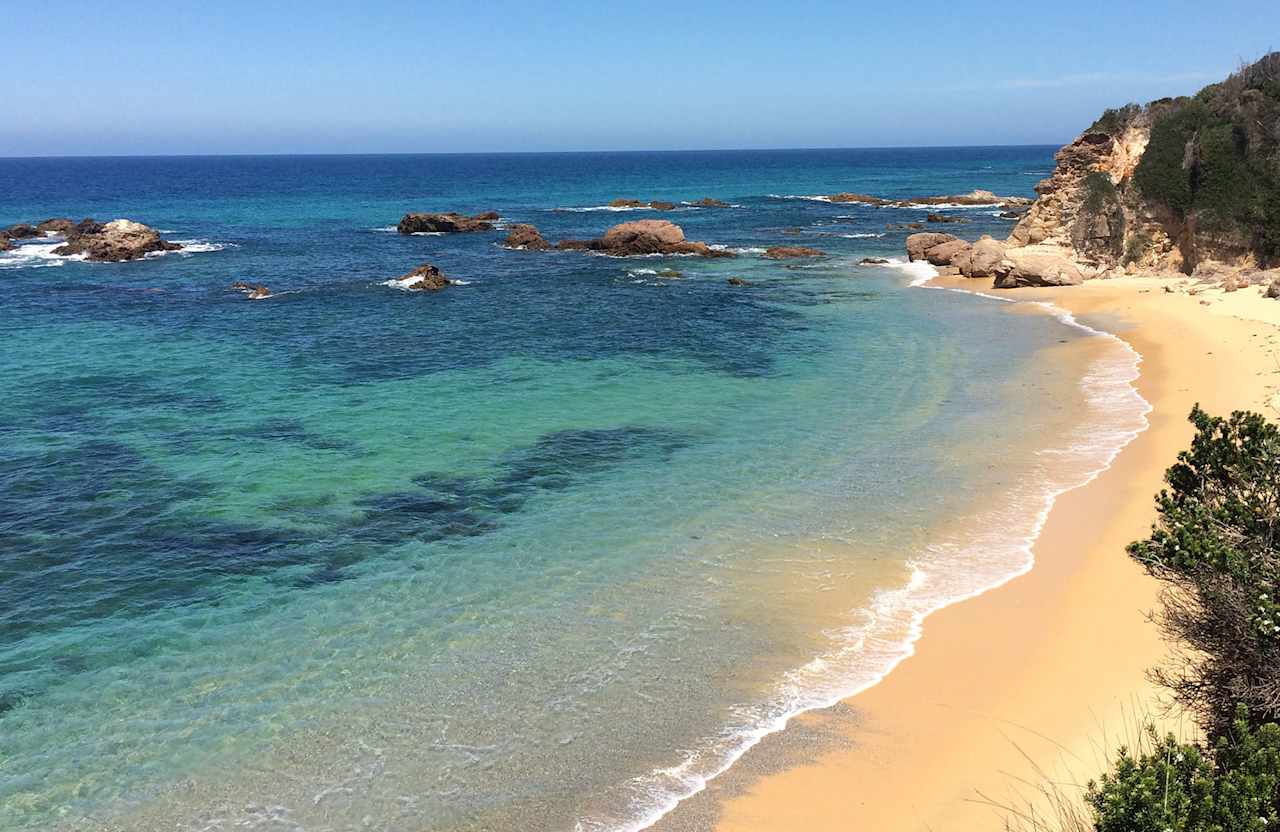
[(865, 199), (115, 241), (641, 237), (944, 218), (425, 278), (447, 223), (708, 202), (526, 237), (253, 291), (737, 281), (873, 261), (787, 252)]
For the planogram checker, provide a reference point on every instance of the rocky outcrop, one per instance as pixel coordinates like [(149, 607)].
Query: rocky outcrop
[(945, 218), (873, 261), (789, 252), (5, 243), (1170, 185), (425, 278), (252, 291), (627, 203), (643, 237), (526, 237), (21, 231), (115, 241), (487, 216), (981, 259), (660, 205), (447, 223), (1036, 266), (708, 202), (60, 226)]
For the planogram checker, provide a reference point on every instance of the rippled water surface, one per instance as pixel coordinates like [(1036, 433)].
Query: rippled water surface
[(547, 548)]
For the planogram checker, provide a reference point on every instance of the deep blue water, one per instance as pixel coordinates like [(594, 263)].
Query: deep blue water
[(532, 537)]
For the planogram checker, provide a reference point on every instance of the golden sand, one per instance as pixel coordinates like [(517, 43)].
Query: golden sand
[(1047, 672)]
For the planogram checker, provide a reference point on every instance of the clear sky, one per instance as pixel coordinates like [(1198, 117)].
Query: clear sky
[(255, 76)]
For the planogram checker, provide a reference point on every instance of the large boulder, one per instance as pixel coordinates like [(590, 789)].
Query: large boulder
[(788, 252), (919, 244), (527, 237), (447, 223), (1037, 266), (943, 253), (642, 237), (425, 278), (980, 259), (115, 241)]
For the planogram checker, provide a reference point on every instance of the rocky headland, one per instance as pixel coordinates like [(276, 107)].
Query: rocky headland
[(1179, 187)]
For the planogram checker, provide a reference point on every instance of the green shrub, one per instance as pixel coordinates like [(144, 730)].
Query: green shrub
[(1114, 122), (1160, 174), (1099, 192), (1178, 787), (1216, 548)]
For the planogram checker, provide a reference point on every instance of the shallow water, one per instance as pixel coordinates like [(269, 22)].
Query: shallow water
[(543, 550)]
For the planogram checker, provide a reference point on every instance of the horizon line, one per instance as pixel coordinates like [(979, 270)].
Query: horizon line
[(518, 152)]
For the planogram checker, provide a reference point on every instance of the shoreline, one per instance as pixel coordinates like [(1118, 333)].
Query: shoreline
[(972, 708)]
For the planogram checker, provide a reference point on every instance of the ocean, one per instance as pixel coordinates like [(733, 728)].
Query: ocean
[(546, 550)]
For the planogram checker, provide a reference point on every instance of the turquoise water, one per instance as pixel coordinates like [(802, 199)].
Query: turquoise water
[(542, 551)]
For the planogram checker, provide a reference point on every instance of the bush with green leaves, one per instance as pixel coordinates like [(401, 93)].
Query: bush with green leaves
[(1216, 549), (1179, 787)]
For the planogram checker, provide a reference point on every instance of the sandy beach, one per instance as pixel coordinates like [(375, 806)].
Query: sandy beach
[(1047, 672)]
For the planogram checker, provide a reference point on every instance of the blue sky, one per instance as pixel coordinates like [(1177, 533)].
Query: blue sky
[(257, 77)]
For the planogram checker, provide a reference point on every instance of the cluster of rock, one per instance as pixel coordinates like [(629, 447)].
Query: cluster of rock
[(1009, 266), (113, 241), (628, 239), (973, 198), (446, 223)]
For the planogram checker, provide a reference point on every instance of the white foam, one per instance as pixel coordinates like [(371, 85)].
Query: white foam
[(947, 572), (919, 270), (36, 255), (865, 236), (386, 229), (615, 208), (198, 247), (808, 198)]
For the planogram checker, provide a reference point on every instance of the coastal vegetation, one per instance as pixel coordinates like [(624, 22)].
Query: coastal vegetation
[(1215, 547)]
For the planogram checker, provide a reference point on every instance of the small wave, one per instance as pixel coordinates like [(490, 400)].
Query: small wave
[(866, 236), (386, 229), (36, 255), (613, 208), (919, 271), (795, 196)]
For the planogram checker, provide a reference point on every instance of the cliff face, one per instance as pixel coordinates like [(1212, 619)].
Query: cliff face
[(1170, 185)]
